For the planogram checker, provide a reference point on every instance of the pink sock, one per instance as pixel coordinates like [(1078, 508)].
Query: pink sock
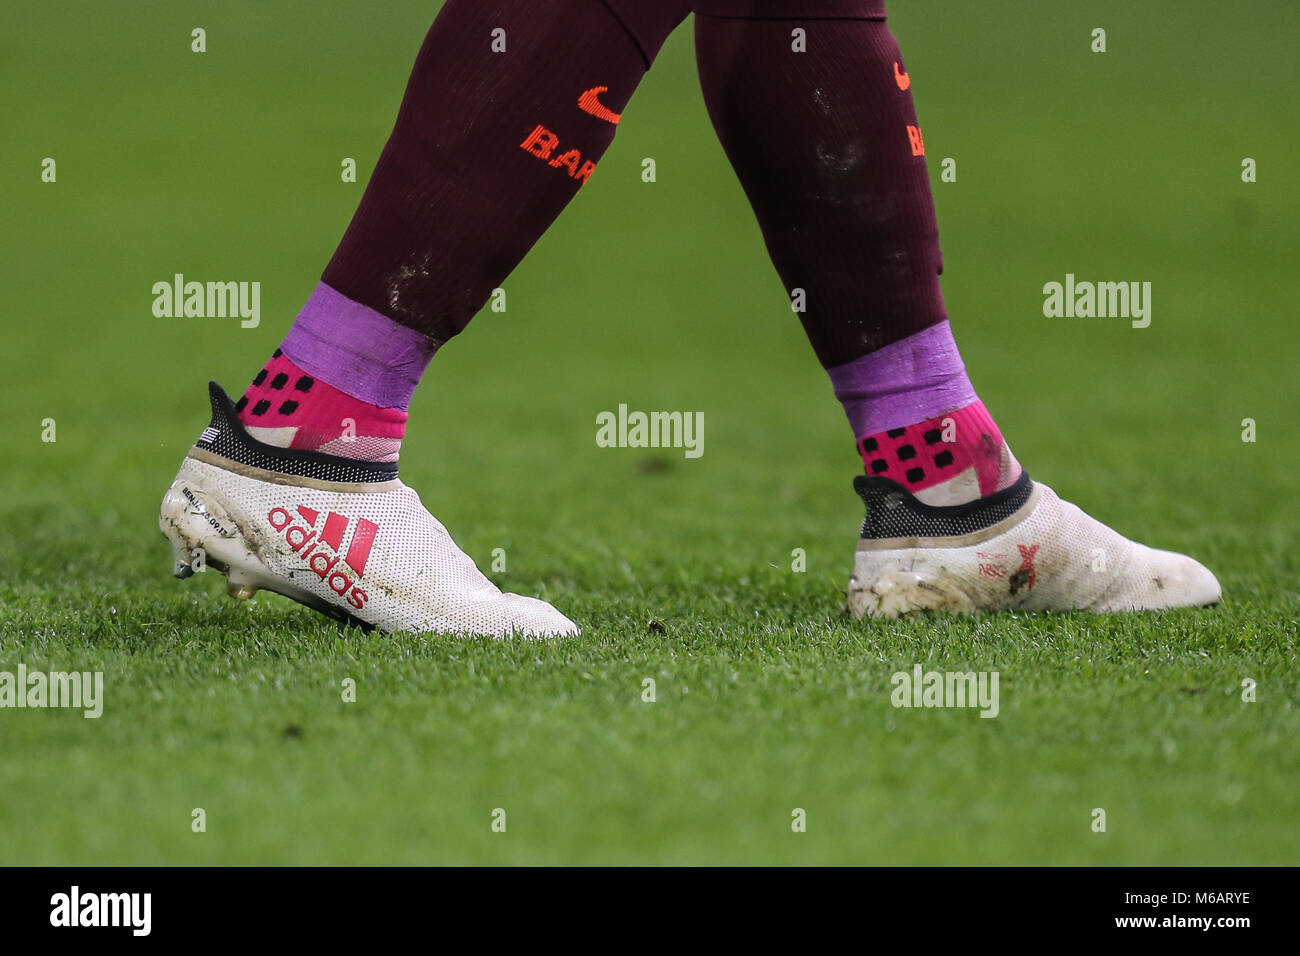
[(287, 407), (947, 459), (919, 422)]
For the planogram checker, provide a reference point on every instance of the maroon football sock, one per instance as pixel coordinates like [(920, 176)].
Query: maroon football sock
[(821, 130), (509, 107), (813, 105)]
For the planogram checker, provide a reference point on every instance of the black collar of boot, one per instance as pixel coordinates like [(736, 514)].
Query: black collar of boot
[(227, 437), (894, 512)]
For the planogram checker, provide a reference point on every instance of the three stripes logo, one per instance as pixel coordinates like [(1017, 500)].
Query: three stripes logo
[(322, 548), (1026, 573)]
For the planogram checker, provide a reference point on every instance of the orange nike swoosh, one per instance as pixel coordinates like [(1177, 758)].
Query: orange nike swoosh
[(902, 79), (589, 103)]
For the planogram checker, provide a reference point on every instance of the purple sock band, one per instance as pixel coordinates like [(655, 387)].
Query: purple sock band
[(357, 350), (908, 381)]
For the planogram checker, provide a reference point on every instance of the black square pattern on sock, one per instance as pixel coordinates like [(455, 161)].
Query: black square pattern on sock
[(260, 377), (932, 436), (276, 354), (304, 383), (879, 465), (896, 432), (915, 474), (943, 459), (289, 407), (241, 404), (906, 452), (869, 444), (279, 381), (261, 407)]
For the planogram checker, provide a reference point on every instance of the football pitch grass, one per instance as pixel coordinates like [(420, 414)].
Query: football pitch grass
[(1122, 166)]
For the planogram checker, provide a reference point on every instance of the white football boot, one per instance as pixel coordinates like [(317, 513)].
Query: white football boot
[(345, 537), (1022, 548)]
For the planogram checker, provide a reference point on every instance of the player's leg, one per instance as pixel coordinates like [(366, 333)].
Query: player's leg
[(812, 103), (509, 107)]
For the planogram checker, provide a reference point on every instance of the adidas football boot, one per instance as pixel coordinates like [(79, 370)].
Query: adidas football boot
[(343, 536), (1022, 548)]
